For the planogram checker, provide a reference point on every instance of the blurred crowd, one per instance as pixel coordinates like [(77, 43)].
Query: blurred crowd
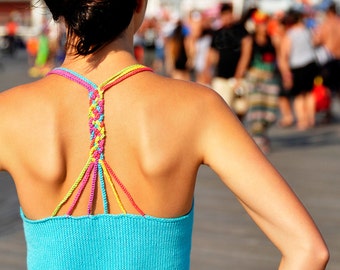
[(281, 68), (44, 51)]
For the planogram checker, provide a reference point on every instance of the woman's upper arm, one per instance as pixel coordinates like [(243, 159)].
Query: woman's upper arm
[(283, 63), (268, 199), (8, 121), (246, 52), (2, 132), (284, 51)]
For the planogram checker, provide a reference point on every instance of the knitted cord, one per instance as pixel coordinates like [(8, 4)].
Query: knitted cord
[(96, 165)]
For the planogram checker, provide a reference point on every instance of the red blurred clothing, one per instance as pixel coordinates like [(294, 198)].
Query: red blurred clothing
[(11, 28)]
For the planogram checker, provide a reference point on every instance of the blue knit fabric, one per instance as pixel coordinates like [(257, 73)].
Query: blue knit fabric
[(115, 242)]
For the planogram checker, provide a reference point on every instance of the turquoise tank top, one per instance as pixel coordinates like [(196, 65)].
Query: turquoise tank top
[(105, 241)]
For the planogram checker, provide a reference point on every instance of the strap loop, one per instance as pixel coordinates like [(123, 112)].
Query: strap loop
[(96, 166)]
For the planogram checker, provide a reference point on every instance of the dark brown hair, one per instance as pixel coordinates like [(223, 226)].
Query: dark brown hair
[(226, 7), (95, 23), (291, 17)]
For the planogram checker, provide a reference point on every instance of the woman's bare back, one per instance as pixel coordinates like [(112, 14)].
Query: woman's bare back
[(152, 125)]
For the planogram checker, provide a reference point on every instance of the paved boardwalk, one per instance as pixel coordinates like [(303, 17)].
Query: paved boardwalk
[(224, 236)]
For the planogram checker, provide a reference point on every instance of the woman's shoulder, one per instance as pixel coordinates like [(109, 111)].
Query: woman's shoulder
[(10, 101), (193, 104), (195, 92), (12, 113), (20, 105), (184, 102), (187, 95), (27, 120), (14, 100)]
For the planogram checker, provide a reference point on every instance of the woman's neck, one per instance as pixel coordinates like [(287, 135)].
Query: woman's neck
[(261, 38), (102, 64)]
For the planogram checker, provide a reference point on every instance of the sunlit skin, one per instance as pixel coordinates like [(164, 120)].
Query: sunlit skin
[(159, 132)]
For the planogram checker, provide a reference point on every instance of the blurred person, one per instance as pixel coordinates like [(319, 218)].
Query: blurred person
[(276, 31), (32, 46), (56, 34), (11, 29), (263, 83), (202, 47), (41, 64), (327, 36), (177, 53), (298, 69), (138, 45), (229, 57), (275, 27), (149, 40), (285, 107), (107, 154), (201, 36), (43, 49), (61, 42), (53, 35), (162, 33)]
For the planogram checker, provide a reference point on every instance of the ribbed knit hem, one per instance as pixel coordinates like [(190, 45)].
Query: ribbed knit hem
[(128, 242)]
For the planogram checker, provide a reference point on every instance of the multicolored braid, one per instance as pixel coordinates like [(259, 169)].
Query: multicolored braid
[(96, 166)]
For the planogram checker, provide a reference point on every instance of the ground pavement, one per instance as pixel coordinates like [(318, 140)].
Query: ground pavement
[(224, 236)]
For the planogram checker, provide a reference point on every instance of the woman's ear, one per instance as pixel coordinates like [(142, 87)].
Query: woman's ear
[(140, 5), (139, 13)]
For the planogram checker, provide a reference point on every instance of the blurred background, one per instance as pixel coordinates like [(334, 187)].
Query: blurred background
[(31, 44)]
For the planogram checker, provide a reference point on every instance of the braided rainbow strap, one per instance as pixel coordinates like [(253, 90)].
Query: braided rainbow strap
[(96, 168)]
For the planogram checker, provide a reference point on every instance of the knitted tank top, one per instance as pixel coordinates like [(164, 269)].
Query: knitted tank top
[(105, 241)]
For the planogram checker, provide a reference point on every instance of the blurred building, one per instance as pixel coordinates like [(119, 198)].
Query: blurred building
[(22, 8), (28, 14), (182, 7), (272, 6)]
